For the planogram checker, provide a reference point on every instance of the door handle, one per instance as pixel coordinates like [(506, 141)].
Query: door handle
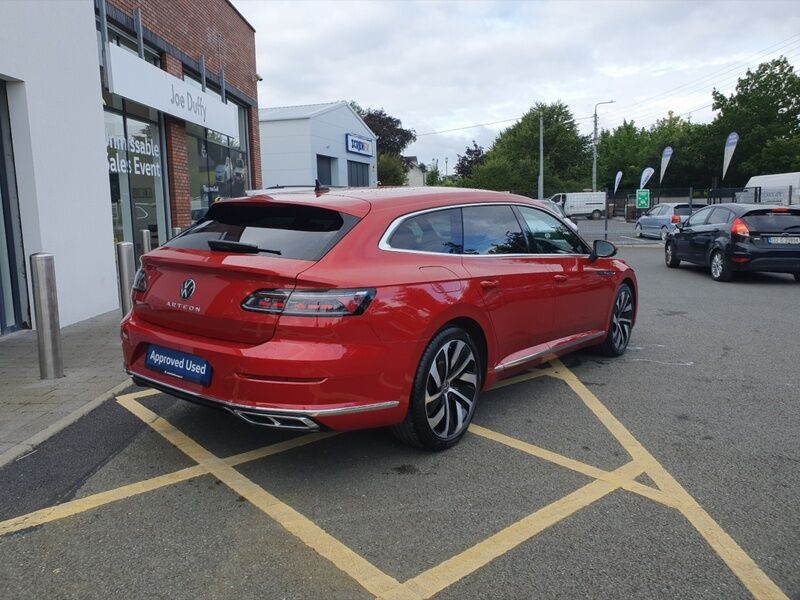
[(560, 278), (489, 284)]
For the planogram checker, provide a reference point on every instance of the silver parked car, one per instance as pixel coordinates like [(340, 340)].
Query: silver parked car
[(661, 220)]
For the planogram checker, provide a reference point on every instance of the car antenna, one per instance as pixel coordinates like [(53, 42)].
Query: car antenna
[(319, 188)]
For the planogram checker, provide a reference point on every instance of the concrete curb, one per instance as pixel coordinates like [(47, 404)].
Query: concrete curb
[(30, 444)]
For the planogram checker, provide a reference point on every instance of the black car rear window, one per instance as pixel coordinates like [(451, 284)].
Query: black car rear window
[(285, 230), (777, 220)]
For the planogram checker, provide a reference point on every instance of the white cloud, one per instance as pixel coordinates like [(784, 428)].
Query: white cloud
[(443, 65)]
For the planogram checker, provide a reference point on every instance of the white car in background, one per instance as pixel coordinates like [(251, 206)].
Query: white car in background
[(224, 171)]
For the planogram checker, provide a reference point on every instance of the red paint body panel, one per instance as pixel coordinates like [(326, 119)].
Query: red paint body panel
[(307, 363)]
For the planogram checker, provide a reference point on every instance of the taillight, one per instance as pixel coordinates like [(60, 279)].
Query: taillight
[(310, 303), (780, 210), (676, 218), (140, 281), (739, 228)]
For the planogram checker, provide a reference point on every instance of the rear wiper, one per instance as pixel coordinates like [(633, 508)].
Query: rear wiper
[(230, 246)]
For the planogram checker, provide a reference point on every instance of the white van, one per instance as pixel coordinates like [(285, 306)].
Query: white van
[(778, 188), (591, 205)]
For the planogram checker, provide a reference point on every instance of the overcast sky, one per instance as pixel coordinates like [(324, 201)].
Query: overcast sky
[(445, 65)]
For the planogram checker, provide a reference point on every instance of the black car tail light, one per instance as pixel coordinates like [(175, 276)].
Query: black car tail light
[(739, 228), (310, 303)]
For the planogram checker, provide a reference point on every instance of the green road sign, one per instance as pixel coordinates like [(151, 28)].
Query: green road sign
[(642, 198)]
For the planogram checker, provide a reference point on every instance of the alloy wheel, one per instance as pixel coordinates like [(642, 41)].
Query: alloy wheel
[(664, 234), (451, 389), (717, 265), (621, 319)]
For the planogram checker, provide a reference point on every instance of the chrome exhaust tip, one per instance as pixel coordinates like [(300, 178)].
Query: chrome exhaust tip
[(277, 421)]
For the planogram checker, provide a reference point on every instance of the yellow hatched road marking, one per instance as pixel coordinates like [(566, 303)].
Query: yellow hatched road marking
[(361, 570), (738, 561), (436, 579)]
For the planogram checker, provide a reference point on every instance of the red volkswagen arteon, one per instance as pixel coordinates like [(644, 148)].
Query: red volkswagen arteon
[(364, 308)]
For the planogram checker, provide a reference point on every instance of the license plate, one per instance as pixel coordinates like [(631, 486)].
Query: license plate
[(178, 364), (791, 239)]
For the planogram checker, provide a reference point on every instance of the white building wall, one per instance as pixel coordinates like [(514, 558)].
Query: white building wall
[(286, 157), (56, 112), (416, 178), (328, 132)]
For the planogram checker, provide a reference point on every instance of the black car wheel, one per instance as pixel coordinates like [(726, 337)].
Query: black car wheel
[(669, 256), (621, 325), (797, 277), (445, 392), (638, 230), (596, 214), (664, 234), (720, 271)]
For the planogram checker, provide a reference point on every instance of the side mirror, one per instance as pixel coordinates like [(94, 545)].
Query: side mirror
[(602, 249)]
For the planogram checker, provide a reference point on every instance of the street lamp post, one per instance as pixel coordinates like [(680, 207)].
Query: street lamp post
[(594, 146)]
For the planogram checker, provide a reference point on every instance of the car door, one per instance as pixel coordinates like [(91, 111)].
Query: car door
[(583, 288), (706, 234), (685, 238), (647, 219), (516, 286)]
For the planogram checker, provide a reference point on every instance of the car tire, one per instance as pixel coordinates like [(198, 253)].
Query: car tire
[(620, 325), (441, 405), (637, 230), (672, 261), (596, 214), (664, 234), (720, 271)]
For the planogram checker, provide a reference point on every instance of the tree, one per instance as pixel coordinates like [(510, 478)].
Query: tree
[(391, 170), (392, 137), (472, 158), (765, 111), (512, 164)]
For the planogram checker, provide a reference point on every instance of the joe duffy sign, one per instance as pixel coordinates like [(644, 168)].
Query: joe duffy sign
[(138, 80)]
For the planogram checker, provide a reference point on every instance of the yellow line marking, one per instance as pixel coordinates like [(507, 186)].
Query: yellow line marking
[(80, 505), (436, 579), (362, 571), (74, 507), (738, 561), (140, 394), (572, 464)]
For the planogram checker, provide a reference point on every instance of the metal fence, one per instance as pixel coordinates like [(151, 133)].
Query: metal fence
[(757, 195)]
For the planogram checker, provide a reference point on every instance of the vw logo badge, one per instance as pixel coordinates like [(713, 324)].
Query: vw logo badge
[(187, 289)]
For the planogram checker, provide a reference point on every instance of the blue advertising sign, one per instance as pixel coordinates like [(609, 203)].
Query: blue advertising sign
[(358, 144)]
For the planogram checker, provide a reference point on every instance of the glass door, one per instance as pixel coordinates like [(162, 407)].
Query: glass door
[(146, 181)]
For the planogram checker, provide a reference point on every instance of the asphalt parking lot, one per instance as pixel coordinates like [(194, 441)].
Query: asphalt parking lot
[(671, 472)]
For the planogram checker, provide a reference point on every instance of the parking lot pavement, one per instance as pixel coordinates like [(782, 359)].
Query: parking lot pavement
[(618, 231), (670, 472)]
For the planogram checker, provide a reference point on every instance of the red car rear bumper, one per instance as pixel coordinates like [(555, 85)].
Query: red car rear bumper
[(283, 383)]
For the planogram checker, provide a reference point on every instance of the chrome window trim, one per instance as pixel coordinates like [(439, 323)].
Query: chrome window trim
[(383, 243)]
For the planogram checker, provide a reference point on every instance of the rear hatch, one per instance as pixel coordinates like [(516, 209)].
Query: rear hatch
[(196, 282), (776, 227)]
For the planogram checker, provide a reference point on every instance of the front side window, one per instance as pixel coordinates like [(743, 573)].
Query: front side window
[(438, 231), (548, 235), (492, 230)]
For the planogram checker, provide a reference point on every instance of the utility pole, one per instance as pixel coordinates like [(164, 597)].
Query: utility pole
[(540, 190), (594, 146), (445, 167)]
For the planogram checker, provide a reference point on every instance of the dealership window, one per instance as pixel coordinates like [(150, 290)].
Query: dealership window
[(136, 172), (217, 166), (357, 174)]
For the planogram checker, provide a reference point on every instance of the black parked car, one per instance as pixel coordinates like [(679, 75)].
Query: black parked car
[(738, 237)]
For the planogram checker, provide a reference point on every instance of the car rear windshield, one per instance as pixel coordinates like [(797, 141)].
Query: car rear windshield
[(774, 220), (282, 230), (684, 210)]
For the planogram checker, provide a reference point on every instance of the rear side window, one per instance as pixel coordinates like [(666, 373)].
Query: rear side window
[(285, 230), (774, 220), (438, 231), (492, 230)]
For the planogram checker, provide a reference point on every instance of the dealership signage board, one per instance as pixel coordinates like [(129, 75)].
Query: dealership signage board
[(358, 144), (132, 77), (642, 199)]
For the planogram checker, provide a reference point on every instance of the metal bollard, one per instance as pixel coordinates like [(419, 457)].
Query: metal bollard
[(147, 243), (45, 302), (127, 269), (176, 231)]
